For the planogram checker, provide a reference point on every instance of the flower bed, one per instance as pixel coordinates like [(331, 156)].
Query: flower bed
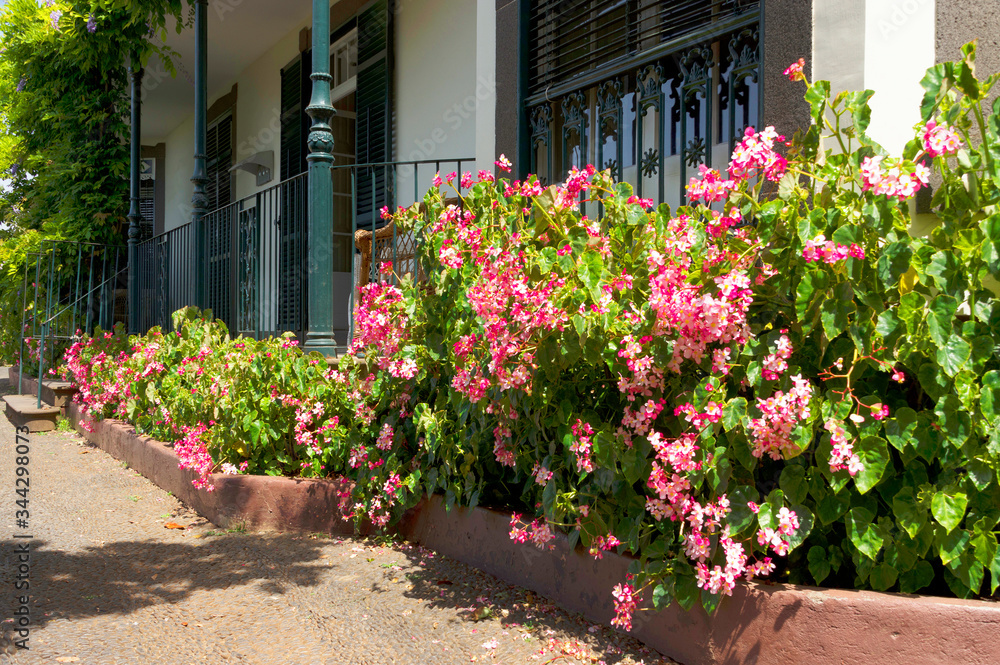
[(775, 380)]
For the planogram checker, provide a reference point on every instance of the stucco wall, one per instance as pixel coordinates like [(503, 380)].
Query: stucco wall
[(177, 172), (259, 111), (438, 93), (898, 52)]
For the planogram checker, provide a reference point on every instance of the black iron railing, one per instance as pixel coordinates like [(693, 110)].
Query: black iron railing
[(257, 255), (69, 288)]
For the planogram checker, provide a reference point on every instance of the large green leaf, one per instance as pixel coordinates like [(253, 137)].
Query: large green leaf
[(874, 456), (990, 397), (837, 309), (910, 514), (948, 507), (734, 412), (941, 318), (991, 245), (954, 355), (819, 565), (893, 262), (901, 427), (862, 532)]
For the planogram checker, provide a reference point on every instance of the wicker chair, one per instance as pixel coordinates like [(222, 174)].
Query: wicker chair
[(405, 259)]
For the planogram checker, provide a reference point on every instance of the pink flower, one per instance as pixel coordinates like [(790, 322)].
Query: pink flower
[(466, 182), (564, 250), (504, 164), (711, 188), (756, 152), (625, 605), (827, 251), (898, 376), (437, 181), (794, 70), (880, 411), (940, 140), (894, 179), (842, 456)]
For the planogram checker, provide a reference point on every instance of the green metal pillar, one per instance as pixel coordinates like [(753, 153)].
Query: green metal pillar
[(134, 214), (199, 199), (319, 332)]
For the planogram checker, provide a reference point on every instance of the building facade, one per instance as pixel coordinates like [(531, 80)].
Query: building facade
[(647, 88)]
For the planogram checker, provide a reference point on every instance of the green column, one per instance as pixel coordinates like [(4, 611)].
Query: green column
[(199, 199), (134, 214), (319, 331)]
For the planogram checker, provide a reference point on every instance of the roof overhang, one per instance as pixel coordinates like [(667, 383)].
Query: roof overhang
[(239, 32)]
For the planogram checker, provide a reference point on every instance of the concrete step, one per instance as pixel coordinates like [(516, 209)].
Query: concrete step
[(56, 393), (23, 411)]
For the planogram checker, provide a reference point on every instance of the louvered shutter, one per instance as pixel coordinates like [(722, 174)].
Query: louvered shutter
[(374, 108), (296, 89), (218, 160), (295, 92)]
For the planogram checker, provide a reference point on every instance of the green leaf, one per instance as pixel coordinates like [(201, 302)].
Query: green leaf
[(984, 541), (893, 262), (734, 412), (882, 577), (901, 427), (819, 566), (991, 245), (874, 456), (793, 483), (837, 309), (910, 514), (933, 381), (862, 532), (832, 506), (810, 293), (590, 268), (995, 573), (941, 318), (786, 185), (816, 96), (740, 515), (663, 593), (990, 397), (916, 578), (954, 355), (948, 508)]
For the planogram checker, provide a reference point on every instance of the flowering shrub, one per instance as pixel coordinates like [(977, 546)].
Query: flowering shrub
[(230, 405), (777, 379), (780, 362)]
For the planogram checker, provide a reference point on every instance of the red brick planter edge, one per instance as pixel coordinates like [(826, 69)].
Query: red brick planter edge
[(760, 624)]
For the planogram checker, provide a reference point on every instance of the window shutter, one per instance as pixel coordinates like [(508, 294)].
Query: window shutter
[(295, 92), (218, 160), (296, 89), (374, 108)]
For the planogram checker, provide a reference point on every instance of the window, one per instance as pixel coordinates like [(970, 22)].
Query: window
[(649, 89)]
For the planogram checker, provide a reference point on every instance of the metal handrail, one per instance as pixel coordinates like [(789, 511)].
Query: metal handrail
[(48, 322)]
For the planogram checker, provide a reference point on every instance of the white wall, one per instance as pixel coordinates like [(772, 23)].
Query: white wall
[(882, 45), (899, 47), (439, 95), (178, 167), (258, 111)]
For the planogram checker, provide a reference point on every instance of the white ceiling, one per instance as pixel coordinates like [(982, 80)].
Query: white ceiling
[(239, 32)]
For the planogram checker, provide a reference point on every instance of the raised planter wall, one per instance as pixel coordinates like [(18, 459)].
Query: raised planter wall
[(760, 624)]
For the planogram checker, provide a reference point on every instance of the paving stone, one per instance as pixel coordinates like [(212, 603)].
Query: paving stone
[(111, 584)]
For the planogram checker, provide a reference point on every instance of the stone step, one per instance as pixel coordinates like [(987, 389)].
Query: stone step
[(23, 411), (56, 393)]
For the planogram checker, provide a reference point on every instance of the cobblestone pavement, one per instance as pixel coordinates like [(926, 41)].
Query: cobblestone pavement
[(112, 584)]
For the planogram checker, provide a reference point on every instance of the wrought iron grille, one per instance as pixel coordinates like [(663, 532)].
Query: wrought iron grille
[(655, 123)]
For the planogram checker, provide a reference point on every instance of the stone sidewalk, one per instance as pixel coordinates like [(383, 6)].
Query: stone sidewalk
[(111, 583)]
